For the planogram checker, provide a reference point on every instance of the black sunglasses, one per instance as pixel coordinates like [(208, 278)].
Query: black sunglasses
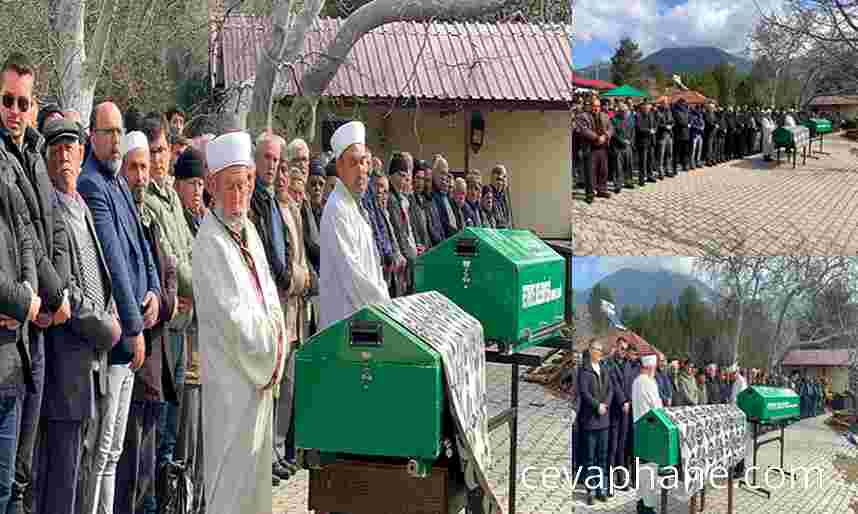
[(23, 102)]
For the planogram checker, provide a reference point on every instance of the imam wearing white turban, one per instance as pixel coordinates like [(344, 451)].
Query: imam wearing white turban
[(350, 274), (241, 324)]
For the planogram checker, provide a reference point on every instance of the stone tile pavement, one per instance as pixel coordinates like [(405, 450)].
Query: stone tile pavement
[(809, 444), (745, 206), (543, 438)]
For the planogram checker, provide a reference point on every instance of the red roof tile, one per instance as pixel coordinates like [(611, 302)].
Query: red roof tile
[(457, 61), (817, 358), (599, 85)]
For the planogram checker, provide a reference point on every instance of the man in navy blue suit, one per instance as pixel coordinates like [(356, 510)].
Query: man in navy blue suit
[(136, 287)]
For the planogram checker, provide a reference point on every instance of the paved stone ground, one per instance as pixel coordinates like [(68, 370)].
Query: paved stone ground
[(745, 206), (543, 438), (809, 444)]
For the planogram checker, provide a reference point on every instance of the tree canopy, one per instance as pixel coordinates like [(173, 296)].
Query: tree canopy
[(626, 63)]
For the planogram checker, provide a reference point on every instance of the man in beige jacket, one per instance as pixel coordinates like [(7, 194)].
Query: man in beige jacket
[(289, 190)]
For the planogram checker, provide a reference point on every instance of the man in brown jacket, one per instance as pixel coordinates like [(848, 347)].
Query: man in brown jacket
[(596, 131)]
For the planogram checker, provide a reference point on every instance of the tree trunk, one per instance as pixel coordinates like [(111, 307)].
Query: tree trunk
[(287, 41), (737, 334), (77, 71)]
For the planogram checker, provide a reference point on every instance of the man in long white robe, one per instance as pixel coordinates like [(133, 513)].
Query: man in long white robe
[(241, 326), (645, 397), (350, 273), (768, 129), (739, 385)]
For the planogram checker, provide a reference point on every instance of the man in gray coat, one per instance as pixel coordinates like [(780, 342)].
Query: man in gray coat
[(399, 209)]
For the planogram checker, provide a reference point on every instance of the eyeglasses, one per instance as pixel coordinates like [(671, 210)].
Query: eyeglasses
[(117, 132), (23, 102)]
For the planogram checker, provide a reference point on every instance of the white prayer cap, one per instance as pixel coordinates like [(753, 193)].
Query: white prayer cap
[(649, 361), (232, 149), (133, 141), (352, 133), (712, 365)]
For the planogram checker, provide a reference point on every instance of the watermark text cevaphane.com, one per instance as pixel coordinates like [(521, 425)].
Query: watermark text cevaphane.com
[(553, 477)]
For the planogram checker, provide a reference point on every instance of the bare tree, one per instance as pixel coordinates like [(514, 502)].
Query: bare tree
[(800, 281), (823, 37), (741, 278), (77, 66), (291, 21), (807, 299)]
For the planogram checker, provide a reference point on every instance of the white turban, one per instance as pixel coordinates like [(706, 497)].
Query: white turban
[(649, 361), (134, 140), (352, 133), (232, 149)]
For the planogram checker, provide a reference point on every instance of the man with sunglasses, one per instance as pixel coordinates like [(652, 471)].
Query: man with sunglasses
[(21, 163)]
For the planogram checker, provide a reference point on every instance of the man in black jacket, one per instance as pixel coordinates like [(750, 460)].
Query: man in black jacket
[(682, 136), (597, 393), (21, 151), (265, 212), (710, 134), (621, 148), (645, 142), (664, 121), (273, 233), (19, 304), (730, 140), (76, 352), (620, 408)]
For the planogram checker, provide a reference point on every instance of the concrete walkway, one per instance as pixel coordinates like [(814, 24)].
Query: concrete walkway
[(746, 206)]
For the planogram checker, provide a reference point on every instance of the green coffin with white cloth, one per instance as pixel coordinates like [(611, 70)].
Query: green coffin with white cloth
[(700, 438), (769, 404), (390, 408)]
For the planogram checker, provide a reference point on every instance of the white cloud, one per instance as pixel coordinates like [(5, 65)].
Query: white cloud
[(721, 23), (682, 265)]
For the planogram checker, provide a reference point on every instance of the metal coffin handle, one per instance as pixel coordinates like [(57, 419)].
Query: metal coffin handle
[(365, 333)]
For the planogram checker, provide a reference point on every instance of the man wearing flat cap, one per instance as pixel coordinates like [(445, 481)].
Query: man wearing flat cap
[(75, 352), (190, 182), (350, 266), (242, 323)]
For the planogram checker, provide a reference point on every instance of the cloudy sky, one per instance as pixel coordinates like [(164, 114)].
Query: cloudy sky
[(656, 24), (586, 271)]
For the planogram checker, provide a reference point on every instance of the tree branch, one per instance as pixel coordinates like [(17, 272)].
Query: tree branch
[(376, 14)]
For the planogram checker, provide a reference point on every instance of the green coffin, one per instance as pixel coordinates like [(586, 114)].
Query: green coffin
[(368, 386), (791, 137), (769, 404), (657, 439), (510, 280), (818, 126)]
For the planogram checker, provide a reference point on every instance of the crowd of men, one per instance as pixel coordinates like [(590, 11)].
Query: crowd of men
[(414, 205), (154, 289), (632, 145), (617, 388)]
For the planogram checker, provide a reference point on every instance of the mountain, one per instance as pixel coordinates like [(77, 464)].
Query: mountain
[(692, 59), (645, 288)]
